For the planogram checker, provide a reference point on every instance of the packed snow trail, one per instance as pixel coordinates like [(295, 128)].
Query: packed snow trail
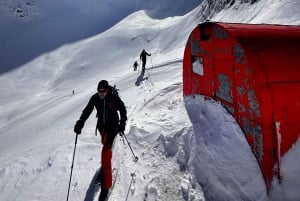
[(160, 173)]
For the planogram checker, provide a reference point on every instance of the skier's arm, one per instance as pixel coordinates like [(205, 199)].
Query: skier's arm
[(122, 110), (84, 116), (87, 110)]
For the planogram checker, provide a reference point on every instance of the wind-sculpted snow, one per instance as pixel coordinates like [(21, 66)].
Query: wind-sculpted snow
[(221, 153), (161, 140)]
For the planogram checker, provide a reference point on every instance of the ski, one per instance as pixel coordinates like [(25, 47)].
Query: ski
[(115, 177), (98, 181)]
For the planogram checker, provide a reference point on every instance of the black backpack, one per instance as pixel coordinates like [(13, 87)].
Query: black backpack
[(113, 90)]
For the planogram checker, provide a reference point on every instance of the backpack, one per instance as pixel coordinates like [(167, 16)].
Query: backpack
[(114, 90)]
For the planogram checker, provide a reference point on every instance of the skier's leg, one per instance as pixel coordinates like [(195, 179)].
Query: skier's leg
[(106, 166), (106, 172), (106, 156), (143, 68)]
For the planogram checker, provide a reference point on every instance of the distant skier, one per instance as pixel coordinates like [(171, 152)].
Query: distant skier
[(143, 56), (135, 65), (110, 123)]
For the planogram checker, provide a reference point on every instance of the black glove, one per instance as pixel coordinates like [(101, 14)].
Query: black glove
[(78, 126), (122, 127)]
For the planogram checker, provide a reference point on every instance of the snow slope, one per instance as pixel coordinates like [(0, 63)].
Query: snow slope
[(188, 149), (44, 26)]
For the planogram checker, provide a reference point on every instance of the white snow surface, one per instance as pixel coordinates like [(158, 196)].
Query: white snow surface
[(189, 148)]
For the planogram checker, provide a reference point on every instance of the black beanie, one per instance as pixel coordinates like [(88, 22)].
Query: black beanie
[(103, 84)]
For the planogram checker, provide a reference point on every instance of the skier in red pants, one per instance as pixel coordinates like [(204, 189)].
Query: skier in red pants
[(112, 117)]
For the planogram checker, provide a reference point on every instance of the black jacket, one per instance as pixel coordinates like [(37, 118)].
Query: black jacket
[(143, 56), (107, 110)]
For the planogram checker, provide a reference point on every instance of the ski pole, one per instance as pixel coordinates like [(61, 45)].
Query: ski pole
[(72, 166), (135, 157), (131, 181)]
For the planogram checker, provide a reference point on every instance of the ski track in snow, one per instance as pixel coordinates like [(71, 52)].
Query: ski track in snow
[(155, 134)]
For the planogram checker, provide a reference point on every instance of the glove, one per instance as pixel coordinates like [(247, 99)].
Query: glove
[(122, 127), (78, 126)]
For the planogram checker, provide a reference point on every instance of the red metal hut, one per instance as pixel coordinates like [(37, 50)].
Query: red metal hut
[(254, 71)]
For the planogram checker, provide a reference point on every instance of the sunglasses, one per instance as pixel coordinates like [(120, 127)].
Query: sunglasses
[(102, 91)]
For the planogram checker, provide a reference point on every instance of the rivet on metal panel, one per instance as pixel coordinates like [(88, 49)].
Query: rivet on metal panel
[(224, 90)]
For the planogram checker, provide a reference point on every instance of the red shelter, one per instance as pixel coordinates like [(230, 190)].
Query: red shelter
[(254, 71)]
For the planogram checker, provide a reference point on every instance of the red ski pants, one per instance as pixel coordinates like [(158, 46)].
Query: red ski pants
[(106, 157)]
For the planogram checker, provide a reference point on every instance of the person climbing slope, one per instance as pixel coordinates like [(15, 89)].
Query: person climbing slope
[(143, 57), (112, 117)]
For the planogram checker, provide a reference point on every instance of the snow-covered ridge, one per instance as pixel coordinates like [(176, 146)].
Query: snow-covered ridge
[(267, 12), (36, 27)]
